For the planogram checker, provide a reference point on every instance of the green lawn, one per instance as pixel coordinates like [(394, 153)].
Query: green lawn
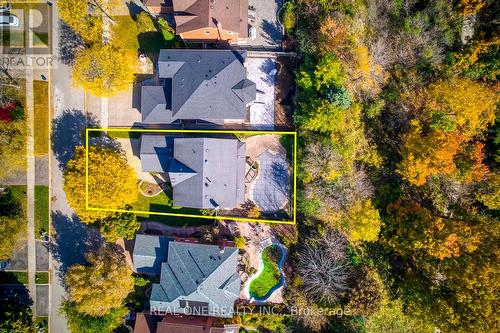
[(42, 277), (270, 276), (13, 277), (162, 203), (12, 38), (41, 117), (41, 209)]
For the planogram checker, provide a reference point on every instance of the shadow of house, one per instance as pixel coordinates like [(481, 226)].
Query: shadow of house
[(68, 131), (73, 239)]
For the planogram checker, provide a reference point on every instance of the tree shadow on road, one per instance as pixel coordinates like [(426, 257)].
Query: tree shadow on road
[(68, 131), (70, 43), (72, 240)]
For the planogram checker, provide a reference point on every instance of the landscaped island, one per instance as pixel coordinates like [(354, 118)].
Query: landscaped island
[(271, 276)]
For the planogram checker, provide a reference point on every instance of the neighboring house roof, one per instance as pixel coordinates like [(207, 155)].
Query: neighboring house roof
[(146, 323), (197, 279), (204, 172), (231, 15), (149, 253), (198, 84)]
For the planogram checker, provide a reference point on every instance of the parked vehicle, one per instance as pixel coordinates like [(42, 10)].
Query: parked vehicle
[(9, 20), (5, 7), (4, 264)]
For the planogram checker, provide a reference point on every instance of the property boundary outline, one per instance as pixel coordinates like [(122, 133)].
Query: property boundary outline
[(233, 218)]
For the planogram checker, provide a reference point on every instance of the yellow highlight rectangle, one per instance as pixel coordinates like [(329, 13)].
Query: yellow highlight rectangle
[(240, 219)]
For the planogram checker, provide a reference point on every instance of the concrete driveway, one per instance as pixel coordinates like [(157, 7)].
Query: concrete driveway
[(270, 190), (265, 20)]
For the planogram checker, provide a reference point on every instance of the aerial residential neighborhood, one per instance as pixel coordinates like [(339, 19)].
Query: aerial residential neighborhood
[(249, 166)]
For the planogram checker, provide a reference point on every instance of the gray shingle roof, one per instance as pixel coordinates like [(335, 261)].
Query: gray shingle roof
[(198, 275), (198, 84), (204, 172), (149, 253)]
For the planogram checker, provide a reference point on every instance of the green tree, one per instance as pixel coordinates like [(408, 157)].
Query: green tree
[(119, 225), (366, 295), (391, 319), (102, 285), (112, 183), (103, 70)]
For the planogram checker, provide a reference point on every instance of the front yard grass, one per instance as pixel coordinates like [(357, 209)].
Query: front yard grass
[(270, 276), (42, 277), (162, 203), (41, 117), (41, 209), (13, 277)]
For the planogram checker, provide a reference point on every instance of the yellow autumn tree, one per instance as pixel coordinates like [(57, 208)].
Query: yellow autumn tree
[(75, 13), (456, 103), (469, 7), (364, 222), (12, 147), (112, 183), (102, 285), (103, 70)]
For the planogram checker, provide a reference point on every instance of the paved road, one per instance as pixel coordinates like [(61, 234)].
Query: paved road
[(65, 98)]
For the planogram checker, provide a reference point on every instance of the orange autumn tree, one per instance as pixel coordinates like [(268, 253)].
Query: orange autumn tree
[(447, 114), (413, 229)]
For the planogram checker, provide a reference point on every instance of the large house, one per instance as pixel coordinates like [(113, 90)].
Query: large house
[(206, 20), (146, 323), (207, 85), (195, 279), (204, 172)]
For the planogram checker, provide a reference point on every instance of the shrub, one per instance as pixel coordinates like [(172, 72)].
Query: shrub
[(289, 16), (240, 242), (145, 22), (166, 30)]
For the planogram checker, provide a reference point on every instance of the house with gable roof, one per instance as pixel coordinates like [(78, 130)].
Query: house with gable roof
[(206, 20), (195, 279), (206, 85), (204, 172)]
